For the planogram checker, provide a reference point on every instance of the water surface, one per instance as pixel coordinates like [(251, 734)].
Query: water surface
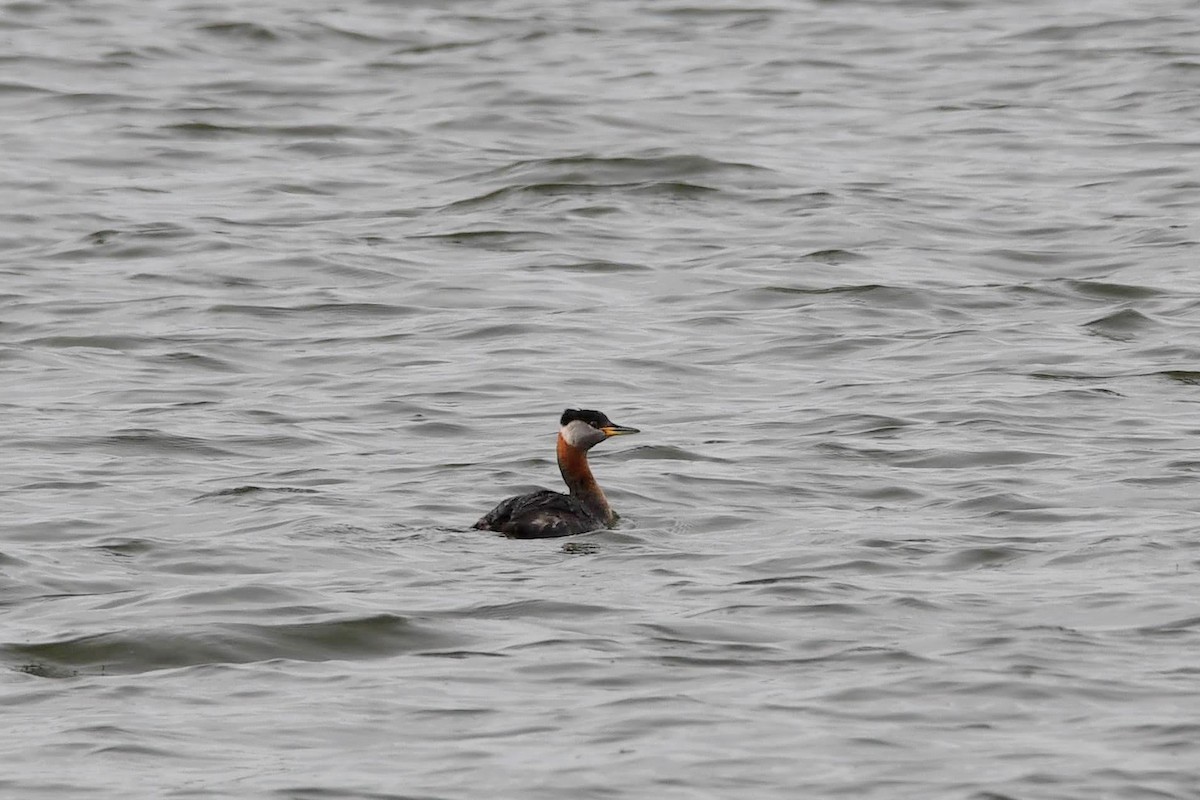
[(901, 294)]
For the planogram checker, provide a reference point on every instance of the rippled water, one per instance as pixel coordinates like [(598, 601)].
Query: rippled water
[(903, 296)]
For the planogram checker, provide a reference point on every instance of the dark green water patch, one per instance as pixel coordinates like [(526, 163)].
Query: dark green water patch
[(1186, 376), (1114, 291)]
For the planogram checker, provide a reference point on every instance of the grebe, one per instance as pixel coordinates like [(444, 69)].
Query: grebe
[(544, 514)]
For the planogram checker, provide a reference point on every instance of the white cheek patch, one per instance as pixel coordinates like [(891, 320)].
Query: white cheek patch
[(577, 433)]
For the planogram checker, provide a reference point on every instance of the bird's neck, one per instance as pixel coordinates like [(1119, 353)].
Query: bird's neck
[(573, 464)]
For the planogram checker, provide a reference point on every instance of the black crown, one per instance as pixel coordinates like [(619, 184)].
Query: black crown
[(594, 418)]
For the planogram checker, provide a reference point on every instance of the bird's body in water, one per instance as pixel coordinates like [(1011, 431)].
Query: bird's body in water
[(544, 514)]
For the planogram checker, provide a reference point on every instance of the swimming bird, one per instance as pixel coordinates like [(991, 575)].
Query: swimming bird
[(544, 514)]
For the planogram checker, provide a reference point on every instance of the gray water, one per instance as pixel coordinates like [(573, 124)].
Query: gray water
[(903, 295)]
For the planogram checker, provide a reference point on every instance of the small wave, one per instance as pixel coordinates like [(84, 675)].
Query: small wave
[(662, 452), (136, 651), (488, 238), (240, 491), (627, 169), (597, 267), (521, 609), (1122, 325), (351, 310)]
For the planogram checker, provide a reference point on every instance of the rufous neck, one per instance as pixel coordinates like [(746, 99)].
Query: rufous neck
[(573, 464)]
